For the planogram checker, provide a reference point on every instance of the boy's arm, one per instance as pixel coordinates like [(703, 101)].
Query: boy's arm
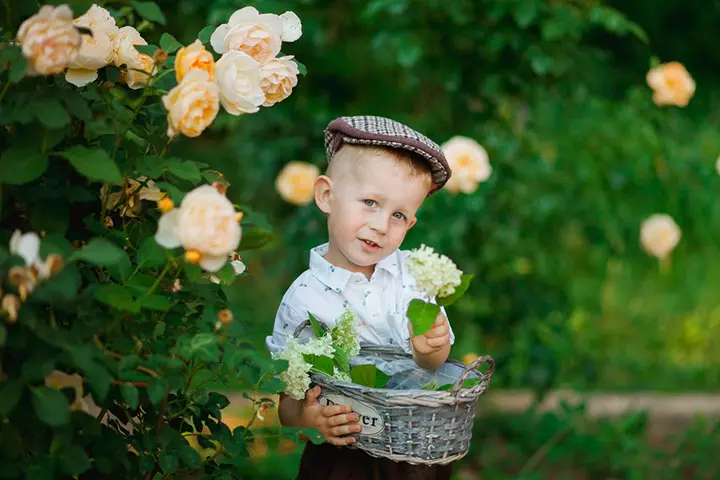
[(432, 349)]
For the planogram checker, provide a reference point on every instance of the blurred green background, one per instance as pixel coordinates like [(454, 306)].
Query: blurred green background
[(555, 91)]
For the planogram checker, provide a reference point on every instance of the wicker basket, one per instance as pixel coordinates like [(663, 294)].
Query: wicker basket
[(414, 426)]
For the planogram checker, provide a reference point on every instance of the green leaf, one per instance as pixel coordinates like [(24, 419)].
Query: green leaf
[(50, 216), (51, 113), (459, 291), (189, 457), (50, 406), (130, 394), (18, 69), (100, 252), (226, 274), (205, 34), (150, 166), (156, 391), (74, 461), (147, 49), (149, 11), (85, 357), (176, 195), (321, 363), (10, 393), (78, 107), (302, 69), (255, 238), (342, 359), (316, 326), (154, 302), (422, 315), (120, 270), (43, 468), (94, 164), (19, 166), (78, 7), (369, 375), (204, 346), (168, 462), (116, 296), (3, 335), (169, 43), (62, 287), (184, 169), (150, 254)]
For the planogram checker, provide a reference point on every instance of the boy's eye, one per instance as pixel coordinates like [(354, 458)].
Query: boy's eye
[(399, 216), (369, 203)]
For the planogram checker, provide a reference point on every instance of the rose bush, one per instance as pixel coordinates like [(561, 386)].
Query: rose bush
[(111, 335)]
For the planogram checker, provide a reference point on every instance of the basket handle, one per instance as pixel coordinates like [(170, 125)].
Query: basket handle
[(473, 367)]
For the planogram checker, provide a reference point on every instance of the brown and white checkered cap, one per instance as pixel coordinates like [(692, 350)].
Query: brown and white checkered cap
[(371, 130)]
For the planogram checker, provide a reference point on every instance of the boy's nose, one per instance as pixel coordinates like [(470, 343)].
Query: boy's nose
[(379, 223)]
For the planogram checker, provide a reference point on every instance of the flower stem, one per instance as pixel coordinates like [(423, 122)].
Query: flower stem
[(159, 279)]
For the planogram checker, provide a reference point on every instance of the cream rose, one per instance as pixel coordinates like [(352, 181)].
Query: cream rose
[(258, 35), (205, 223), (239, 77), (296, 182), (671, 84), (194, 57), (139, 66), (717, 165), (468, 162), (279, 78), (96, 50), (192, 105), (49, 40), (659, 234)]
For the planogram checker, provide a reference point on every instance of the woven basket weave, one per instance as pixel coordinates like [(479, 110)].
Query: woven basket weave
[(416, 426)]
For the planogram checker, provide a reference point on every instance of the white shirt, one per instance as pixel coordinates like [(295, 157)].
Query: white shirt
[(380, 304)]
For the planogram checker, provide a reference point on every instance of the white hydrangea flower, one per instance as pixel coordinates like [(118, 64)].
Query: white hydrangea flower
[(345, 334), (297, 376), (435, 275), (340, 375)]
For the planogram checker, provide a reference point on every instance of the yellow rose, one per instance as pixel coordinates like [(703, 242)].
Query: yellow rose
[(468, 162), (192, 105), (296, 182), (96, 50), (205, 224), (138, 65), (258, 35), (49, 40), (671, 84), (659, 234), (192, 57), (239, 77), (279, 78)]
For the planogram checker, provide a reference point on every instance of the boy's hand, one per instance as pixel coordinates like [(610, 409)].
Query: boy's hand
[(434, 340), (333, 421)]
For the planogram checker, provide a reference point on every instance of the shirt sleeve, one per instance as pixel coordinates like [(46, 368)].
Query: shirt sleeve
[(287, 320)]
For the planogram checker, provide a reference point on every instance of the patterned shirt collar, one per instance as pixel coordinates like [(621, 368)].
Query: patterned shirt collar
[(337, 278)]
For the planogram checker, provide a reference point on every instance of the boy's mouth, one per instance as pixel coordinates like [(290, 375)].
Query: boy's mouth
[(370, 243)]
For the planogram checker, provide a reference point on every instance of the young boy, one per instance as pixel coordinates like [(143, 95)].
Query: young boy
[(379, 173)]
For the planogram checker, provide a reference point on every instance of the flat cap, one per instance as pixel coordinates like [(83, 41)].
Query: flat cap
[(384, 132)]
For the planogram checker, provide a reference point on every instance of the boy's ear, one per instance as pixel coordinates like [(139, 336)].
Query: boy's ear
[(323, 193), (412, 223)]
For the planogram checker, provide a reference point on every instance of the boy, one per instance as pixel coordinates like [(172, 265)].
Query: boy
[(379, 173)]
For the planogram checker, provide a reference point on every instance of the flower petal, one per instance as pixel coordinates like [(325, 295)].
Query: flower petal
[(166, 235), (217, 39), (27, 246), (292, 27), (238, 267), (80, 76), (211, 263)]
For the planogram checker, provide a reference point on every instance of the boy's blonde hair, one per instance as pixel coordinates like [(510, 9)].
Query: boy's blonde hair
[(355, 156)]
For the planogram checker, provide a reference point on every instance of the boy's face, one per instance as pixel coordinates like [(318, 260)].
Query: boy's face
[(370, 208)]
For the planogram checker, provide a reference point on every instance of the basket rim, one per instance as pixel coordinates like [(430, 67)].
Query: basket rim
[(484, 377)]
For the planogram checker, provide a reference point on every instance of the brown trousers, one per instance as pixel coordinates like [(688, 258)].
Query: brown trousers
[(327, 462)]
